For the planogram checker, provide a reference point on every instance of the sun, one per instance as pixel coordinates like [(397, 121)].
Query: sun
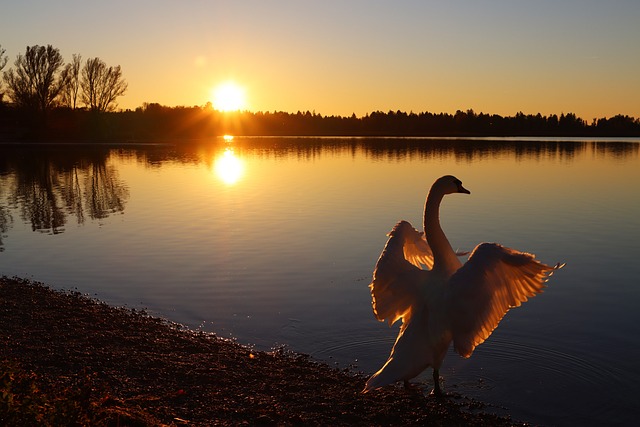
[(228, 96)]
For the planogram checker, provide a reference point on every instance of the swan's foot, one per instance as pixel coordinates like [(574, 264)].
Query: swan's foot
[(437, 393)]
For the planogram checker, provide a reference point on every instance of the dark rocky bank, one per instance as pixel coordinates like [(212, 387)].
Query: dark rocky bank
[(66, 358)]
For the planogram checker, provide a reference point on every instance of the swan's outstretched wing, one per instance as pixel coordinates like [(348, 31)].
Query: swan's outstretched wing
[(396, 280), (415, 247), (480, 293)]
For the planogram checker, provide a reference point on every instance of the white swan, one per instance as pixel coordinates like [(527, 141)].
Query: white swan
[(449, 302)]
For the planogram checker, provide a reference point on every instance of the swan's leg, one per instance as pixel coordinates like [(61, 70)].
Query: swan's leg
[(437, 391), (409, 386)]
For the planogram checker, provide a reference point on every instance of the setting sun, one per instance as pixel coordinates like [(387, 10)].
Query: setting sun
[(228, 96)]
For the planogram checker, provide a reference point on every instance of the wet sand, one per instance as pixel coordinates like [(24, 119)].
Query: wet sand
[(135, 369)]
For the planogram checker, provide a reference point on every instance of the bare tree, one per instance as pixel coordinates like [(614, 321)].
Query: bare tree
[(3, 62), (3, 57), (34, 83), (101, 85), (70, 77)]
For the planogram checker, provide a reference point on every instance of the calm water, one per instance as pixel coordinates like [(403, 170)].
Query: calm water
[(272, 241)]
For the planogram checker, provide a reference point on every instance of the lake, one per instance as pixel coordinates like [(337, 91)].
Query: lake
[(272, 241)]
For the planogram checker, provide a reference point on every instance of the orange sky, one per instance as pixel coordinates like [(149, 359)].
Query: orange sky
[(340, 58)]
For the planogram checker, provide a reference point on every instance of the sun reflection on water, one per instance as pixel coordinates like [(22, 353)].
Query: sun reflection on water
[(228, 167)]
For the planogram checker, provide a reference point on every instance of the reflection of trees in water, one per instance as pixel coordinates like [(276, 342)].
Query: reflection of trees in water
[(104, 194), (38, 204), (5, 220), (5, 214), (72, 194), (383, 149), (46, 186), (472, 150), (616, 149)]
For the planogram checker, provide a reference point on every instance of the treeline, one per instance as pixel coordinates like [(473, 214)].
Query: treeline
[(462, 123), (154, 122)]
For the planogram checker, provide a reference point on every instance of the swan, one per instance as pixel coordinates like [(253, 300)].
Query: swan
[(448, 302)]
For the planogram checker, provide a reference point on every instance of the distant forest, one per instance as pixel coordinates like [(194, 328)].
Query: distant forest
[(154, 122)]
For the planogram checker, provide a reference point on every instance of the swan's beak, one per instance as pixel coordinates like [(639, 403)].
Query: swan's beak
[(461, 189)]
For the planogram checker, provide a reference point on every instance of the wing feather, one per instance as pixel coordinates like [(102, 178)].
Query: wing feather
[(493, 280), (416, 249), (396, 278)]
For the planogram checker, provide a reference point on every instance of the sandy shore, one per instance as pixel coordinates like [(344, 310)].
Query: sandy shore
[(117, 366)]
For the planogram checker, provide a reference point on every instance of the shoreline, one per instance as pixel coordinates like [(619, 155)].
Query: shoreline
[(120, 366)]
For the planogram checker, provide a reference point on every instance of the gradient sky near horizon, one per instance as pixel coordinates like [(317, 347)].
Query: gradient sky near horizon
[(344, 57)]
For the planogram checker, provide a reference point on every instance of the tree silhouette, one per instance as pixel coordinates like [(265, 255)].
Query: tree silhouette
[(3, 62), (71, 82), (101, 85), (35, 84), (3, 57)]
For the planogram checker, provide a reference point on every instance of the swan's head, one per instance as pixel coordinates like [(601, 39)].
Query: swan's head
[(449, 184)]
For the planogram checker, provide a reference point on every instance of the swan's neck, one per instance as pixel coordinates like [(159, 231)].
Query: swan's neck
[(444, 258)]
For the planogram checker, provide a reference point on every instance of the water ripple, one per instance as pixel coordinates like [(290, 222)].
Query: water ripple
[(543, 359), (560, 363)]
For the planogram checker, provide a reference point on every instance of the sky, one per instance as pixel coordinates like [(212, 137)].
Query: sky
[(345, 57)]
